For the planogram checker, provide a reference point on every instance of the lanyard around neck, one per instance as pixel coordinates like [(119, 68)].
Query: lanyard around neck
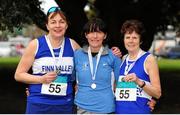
[(93, 74), (52, 52), (129, 67)]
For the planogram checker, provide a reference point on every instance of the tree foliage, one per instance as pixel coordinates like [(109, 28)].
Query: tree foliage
[(16, 13), (74, 10), (155, 14)]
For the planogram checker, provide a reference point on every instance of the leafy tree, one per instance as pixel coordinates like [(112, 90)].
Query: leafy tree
[(15, 13), (74, 10), (155, 14)]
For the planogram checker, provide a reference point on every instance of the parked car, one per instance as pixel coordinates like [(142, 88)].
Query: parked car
[(7, 49), (173, 52)]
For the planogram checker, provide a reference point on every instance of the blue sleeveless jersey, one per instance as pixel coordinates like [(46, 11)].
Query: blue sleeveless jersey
[(140, 105), (44, 62)]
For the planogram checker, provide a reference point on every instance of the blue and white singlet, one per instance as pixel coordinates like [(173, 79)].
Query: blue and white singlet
[(60, 92), (137, 104)]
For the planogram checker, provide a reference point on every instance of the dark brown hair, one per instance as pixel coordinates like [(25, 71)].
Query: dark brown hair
[(133, 25), (94, 25)]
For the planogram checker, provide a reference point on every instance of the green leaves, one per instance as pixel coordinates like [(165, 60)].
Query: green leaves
[(16, 13)]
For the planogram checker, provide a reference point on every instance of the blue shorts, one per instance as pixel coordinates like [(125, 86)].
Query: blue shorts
[(37, 108)]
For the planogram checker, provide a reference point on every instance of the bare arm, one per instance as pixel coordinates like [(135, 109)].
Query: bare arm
[(116, 51), (154, 89), (75, 44), (25, 64)]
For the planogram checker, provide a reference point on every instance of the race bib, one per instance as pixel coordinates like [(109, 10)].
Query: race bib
[(126, 91), (57, 87)]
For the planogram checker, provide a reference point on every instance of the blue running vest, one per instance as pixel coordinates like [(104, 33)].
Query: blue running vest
[(44, 63), (140, 105)]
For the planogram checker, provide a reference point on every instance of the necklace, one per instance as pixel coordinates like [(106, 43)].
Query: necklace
[(131, 65)]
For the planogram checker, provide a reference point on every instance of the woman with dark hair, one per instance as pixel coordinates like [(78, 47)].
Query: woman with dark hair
[(51, 58), (139, 78), (94, 64)]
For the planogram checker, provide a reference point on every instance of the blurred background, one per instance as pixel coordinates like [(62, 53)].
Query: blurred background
[(23, 20)]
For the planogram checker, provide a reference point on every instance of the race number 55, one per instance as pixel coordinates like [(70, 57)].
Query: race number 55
[(124, 94), (55, 88)]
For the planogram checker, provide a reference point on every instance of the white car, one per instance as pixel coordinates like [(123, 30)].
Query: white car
[(6, 49)]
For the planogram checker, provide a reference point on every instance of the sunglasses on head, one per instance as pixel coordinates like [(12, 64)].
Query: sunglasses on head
[(54, 9)]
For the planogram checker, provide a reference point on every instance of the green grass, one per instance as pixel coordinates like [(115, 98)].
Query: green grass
[(169, 64), (164, 64), (9, 62)]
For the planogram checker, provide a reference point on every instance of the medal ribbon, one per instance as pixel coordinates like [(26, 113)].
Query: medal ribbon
[(93, 74), (52, 53), (129, 67)]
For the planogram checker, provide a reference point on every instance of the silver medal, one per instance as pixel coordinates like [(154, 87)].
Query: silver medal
[(58, 71), (93, 86)]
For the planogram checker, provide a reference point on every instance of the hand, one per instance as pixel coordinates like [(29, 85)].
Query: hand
[(116, 51), (48, 78), (27, 92), (75, 88), (151, 104), (131, 78)]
